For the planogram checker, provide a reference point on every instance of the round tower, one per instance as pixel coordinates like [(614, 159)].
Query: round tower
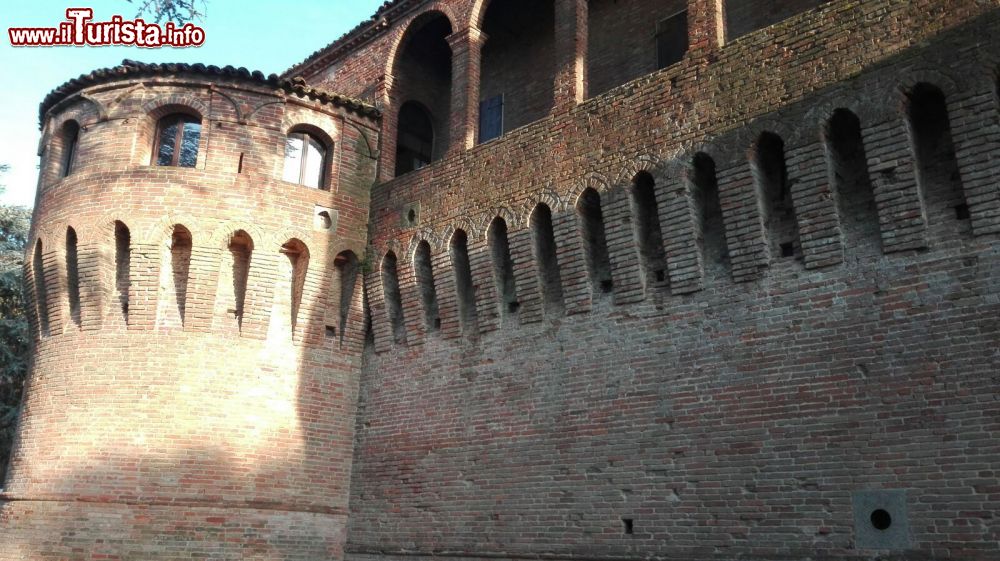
[(193, 281)]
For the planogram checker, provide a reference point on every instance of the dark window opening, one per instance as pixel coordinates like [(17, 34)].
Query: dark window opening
[(71, 138), (298, 258), (712, 230), (464, 287), (628, 526), (305, 160), (849, 177), (588, 209), (241, 250), (771, 177), (422, 84), (415, 147), (937, 166), (648, 235), (393, 299), (546, 260), (490, 118), (123, 259), (73, 276), (671, 40), (424, 273), (347, 267), (41, 297), (180, 266), (177, 138), (518, 61), (503, 266)]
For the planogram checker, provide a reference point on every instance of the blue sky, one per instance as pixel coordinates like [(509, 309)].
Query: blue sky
[(268, 36)]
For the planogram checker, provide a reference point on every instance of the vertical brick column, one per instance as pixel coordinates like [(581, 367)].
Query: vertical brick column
[(577, 290), (570, 87), (260, 293), (466, 58), (413, 307), (677, 225), (381, 323), (706, 25), (529, 293), (143, 292), (390, 125), (203, 283), (444, 282), (975, 130), (352, 339), (93, 288), (481, 264), (749, 251), (891, 167), (55, 288), (622, 250), (815, 210)]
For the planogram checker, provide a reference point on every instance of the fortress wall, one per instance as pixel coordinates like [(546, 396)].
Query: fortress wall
[(733, 395), (187, 395)]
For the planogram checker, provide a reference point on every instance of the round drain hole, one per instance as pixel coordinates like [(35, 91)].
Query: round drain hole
[(881, 519)]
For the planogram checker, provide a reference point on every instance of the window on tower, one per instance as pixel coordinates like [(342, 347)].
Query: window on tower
[(177, 138)]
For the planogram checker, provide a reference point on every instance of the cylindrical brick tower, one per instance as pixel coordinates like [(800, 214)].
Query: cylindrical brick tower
[(193, 274)]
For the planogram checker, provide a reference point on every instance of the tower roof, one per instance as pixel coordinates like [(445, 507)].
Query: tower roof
[(134, 69)]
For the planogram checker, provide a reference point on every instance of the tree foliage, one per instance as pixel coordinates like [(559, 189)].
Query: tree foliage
[(179, 11), (14, 331)]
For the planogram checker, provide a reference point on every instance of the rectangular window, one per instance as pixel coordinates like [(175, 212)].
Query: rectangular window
[(671, 39), (490, 118)]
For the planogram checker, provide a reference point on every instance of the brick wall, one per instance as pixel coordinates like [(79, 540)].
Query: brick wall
[(745, 16), (157, 422), (734, 409)]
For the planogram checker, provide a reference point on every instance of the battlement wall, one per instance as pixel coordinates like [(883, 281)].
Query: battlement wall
[(710, 314)]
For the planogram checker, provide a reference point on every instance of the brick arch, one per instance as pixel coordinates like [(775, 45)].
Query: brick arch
[(425, 234), (165, 105), (508, 215), (223, 234), (593, 180), (86, 112), (465, 224), (937, 77), (546, 196), (819, 115), (309, 121), (253, 111), (748, 136), (432, 10), (162, 230), (643, 162), (279, 238)]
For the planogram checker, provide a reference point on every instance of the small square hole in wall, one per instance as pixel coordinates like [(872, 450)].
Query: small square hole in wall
[(627, 526), (880, 519), (325, 219), (607, 286), (962, 212), (661, 275), (437, 323), (410, 215), (513, 307), (331, 331), (788, 249)]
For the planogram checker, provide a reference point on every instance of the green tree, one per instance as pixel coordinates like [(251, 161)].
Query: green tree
[(14, 330), (171, 10)]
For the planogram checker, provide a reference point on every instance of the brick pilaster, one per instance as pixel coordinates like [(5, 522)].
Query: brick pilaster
[(466, 58)]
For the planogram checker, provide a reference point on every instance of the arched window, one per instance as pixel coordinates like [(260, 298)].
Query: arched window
[(771, 176), (937, 167), (70, 138), (177, 138), (73, 276), (415, 146), (305, 160)]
